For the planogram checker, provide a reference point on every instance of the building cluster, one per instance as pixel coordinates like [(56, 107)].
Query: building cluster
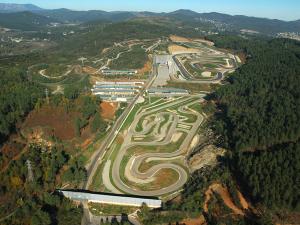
[(289, 35), (117, 91), (220, 26)]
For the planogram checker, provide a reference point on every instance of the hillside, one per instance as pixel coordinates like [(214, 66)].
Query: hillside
[(66, 15), (238, 22), (54, 136), (258, 120), (25, 21), (87, 43)]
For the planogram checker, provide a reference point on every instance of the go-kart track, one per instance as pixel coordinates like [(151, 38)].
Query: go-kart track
[(145, 151), (151, 159)]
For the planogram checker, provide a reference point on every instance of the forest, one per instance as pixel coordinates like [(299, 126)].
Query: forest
[(261, 106), (17, 97), (258, 120), (271, 177), (29, 191)]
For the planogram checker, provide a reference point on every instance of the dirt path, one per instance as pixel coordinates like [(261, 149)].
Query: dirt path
[(224, 194), (243, 201), (43, 73)]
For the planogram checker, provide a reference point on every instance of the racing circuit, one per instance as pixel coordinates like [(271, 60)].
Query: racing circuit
[(145, 152), (147, 156), (158, 139)]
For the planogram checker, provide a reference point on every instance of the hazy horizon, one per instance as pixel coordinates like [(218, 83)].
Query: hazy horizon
[(283, 10)]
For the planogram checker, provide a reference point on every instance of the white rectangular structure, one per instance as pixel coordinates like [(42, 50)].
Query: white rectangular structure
[(111, 199)]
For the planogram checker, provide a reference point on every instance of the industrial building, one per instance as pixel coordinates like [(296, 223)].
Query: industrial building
[(117, 91), (108, 72), (111, 199), (167, 92)]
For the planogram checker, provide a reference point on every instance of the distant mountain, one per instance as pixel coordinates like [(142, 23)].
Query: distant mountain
[(9, 7), (66, 15), (26, 21), (263, 25), (194, 19)]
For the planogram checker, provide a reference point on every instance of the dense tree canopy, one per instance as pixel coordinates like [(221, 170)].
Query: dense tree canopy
[(261, 106), (17, 97), (258, 118), (272, 176)]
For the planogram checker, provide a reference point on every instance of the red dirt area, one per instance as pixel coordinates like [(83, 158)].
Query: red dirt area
[(195, 221), (224, 194), (55, 120), (108, 110), (147, 67)]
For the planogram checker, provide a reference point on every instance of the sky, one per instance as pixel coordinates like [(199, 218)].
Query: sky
[(275, 9)]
